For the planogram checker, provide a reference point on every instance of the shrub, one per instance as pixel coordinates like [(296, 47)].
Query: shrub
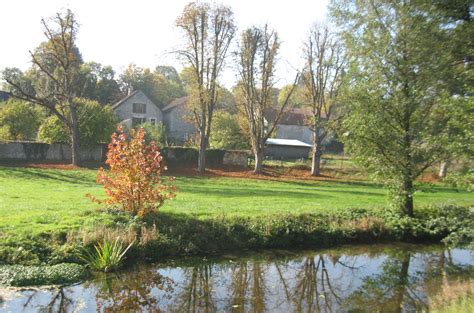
[(226, 132), (107, 256), (96, 124), (156, 133), (19, 120), (134, 180)]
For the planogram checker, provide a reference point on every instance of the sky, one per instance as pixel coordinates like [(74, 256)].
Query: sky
[(118, 32)]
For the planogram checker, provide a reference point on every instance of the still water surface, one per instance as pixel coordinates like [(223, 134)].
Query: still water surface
[(377, 278)]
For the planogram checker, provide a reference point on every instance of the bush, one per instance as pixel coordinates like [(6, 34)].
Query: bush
[(226, 132), (96, 124), (156, 133), (20, 120), (134, 179)]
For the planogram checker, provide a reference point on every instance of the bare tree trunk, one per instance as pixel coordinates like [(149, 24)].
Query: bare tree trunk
[(259, 162), (75, 138), (316, 158), (202, 154), (443, 169)]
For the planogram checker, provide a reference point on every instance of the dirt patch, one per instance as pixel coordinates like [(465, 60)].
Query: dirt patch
[(276, 173), (51, 165), (273, 172), (429, 177)]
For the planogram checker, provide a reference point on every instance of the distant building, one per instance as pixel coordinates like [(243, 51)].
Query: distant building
[(293, 124), (178, 121), (4, 96), (137, 108), (284, 149)]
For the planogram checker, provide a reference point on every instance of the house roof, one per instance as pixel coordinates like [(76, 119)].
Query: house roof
[(175, 103), (4, 96), (286, 142), (295, 116), (117, 104)]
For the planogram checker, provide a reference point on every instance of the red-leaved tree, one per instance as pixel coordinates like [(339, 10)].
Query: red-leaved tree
[(134, 179)]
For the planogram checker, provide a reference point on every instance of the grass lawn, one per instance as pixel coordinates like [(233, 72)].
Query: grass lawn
[(41, 200)]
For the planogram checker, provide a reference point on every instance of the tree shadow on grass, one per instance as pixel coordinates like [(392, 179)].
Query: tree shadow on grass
[(309, 190), (72, 177)]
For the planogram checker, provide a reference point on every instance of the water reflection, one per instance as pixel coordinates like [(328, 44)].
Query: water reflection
[(361, 279)]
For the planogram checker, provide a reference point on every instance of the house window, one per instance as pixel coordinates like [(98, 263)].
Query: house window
[(137, 121), (139, 108), (153, 121)]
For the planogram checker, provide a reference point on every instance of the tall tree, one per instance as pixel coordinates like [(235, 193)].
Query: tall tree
[(457, 20), (208, 31), (397, 121), (56, 64), (322, 79), (162, 85), (256, 59)]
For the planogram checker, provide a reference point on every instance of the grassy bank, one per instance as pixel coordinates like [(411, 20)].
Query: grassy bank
[(39, 201), (45, 217)]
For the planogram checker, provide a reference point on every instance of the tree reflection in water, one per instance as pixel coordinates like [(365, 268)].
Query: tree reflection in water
[(358, 279)]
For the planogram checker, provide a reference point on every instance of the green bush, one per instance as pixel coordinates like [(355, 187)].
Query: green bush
[(226, 132), (20, 120), (96, 124), (156, 133)]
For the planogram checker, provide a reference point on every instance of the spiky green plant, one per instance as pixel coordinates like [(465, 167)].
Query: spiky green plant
[(106, 257)]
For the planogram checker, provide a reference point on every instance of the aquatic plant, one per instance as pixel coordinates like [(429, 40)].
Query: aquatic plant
[(106, 257), (19, 275)]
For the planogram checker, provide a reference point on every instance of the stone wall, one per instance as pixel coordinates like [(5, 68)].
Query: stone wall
[(36, 151), (236, 157), (177, 156)]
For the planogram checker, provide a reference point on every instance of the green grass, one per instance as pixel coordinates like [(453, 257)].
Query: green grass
[(33, 201)]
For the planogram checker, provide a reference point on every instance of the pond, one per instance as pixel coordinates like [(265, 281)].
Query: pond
[(384, 278)]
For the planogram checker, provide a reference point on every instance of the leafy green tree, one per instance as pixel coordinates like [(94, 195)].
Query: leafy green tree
[(162, 85), (297, 99), (99, 83), (97, 123), (457, 19), (226, 132), (19, 120), (208, 30), (397, 117)]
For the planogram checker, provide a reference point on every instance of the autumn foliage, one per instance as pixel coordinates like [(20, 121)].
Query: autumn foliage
[(134, 180)]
